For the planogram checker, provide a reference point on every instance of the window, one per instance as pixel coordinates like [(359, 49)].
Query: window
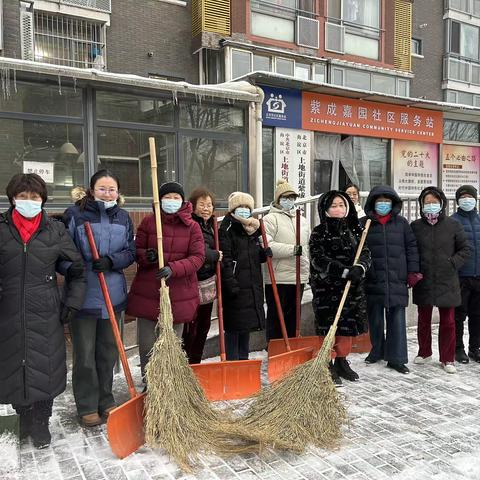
[(383, 83), (213, 66), (417, 47), (241, 63), (319, 73), (467, 6), (302, 70), (284, 66), (464, 40), (216, 118), (74, 42), (456, 131), (337, 76), (362, 12), (361, 46), (403, 87), (357, 79), (261, 62), (276, 28)]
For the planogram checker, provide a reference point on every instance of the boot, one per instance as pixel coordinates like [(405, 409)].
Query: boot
[(474, 354), (461, 356), (40, 433), (342, 365), (26, 418), (335, 378)]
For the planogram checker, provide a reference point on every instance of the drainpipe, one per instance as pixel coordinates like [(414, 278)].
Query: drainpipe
[(255, 149)]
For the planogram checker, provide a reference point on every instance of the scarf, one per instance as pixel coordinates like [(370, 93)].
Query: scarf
[(432, 218), (383, 219), (26, 226), (250, 225)]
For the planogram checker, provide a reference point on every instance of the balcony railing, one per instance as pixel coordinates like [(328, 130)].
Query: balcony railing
[(99, 5), (470, 7), (461, 69)]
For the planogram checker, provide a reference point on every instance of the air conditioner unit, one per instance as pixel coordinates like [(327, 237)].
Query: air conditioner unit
[(334, 37), (308, 32)]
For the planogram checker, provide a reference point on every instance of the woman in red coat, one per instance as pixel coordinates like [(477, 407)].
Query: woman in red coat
[(184, 254)]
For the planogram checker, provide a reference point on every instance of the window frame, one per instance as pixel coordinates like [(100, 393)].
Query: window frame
[(419, 43)]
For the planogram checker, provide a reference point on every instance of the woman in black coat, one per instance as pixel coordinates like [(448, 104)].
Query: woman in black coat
[(443, 248), (32, 360), (395, 263), (242, 280), (333, 245)]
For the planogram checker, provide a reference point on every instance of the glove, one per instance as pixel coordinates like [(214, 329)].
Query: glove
[(297, 251), (413, 279), (165, 272), (103, 264), (268, 252), (67, 315), (76, 270), (152, 255), (355, 273)]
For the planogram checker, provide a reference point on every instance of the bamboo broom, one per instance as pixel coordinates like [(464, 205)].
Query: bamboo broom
[(178, 417), (304, 407)]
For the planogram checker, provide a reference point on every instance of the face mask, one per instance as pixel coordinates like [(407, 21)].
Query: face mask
[(287, 203), (107, 204), (28, 208), (171, 205), (432, 208), (242, 212), (467, 204), (383, 208)]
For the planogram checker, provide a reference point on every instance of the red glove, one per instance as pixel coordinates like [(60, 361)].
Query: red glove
[(413, 279)]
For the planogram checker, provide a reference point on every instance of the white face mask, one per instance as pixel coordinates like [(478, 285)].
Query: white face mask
[(107, 203), (28, 208), (287, 203)]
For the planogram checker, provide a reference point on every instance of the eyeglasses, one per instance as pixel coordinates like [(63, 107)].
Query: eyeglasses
[(105, 191), (203, 206)]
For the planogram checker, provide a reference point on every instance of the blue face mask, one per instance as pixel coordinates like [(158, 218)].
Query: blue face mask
[(287, 203), (242, 212), (467, 204), (171, 205), (28, 208), (383, 208), (432, 208)]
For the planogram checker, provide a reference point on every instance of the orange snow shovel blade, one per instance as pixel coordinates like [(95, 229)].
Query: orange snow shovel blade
[(281, 364), (277, 346), (125, 427), (361, 344), (229, 380)]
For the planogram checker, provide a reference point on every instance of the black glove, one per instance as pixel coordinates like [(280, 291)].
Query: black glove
[(103, 264), (1, 291), (297, 251), (165, 272), (355, 273), (67, 315), (76, 270), (151, 255), (268, 252)]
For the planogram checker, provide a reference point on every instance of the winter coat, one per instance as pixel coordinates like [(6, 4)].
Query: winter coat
[(242, 282), (113, 233), (184, 253), (212, 255), (471, 224), (443, 249), (32, 344), (333, 246), (280, 227), (394, 251)]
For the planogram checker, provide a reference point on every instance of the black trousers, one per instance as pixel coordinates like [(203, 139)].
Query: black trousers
[(470, 308), (41, 410), (287, 300), (237, 345)]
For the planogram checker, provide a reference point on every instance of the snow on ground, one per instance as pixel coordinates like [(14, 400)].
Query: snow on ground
[(425, 425)]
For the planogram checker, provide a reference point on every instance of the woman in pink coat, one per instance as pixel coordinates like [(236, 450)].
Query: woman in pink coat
[(184, 254)]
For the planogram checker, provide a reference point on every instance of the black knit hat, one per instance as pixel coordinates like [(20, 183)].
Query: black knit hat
[(468, 189), (171, 187)]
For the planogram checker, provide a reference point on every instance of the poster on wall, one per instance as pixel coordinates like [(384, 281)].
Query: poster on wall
[(415, 166), (292, 158), (43, 169), (460, 166)]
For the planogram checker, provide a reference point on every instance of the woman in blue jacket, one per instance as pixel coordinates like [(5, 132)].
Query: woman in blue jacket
[(94, 349)]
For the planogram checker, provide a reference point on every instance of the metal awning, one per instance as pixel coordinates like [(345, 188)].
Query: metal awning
[(451, 110)]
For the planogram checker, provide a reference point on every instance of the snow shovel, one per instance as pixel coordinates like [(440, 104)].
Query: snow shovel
[(277, 346), (226, 380), (279, 365), (125, 423)]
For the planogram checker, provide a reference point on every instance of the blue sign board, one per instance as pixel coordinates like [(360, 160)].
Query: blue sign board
[(282, 107)]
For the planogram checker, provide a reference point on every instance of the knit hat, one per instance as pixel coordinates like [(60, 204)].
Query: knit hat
[(468, 189), (171, 187), (283, 187), (240, 198)]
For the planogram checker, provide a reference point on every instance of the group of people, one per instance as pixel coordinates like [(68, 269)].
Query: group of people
[(436, 255)]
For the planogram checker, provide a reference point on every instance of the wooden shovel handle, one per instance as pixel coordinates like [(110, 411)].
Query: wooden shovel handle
[(298, 290), (111, 314), (275, 290), (218, 271)]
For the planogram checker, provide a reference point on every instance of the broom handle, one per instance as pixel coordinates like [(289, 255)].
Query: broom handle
[(111, 314), (221, 334), (156, 205), (297, 277), (275, 289), (349, 283)]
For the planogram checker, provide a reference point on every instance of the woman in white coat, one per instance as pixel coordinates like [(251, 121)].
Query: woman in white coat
[(280, 226)]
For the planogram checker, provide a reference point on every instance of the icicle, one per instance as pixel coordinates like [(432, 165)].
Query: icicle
[(5, 75), (75, 84), (15, 80), (174, 97), (60, 85)]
